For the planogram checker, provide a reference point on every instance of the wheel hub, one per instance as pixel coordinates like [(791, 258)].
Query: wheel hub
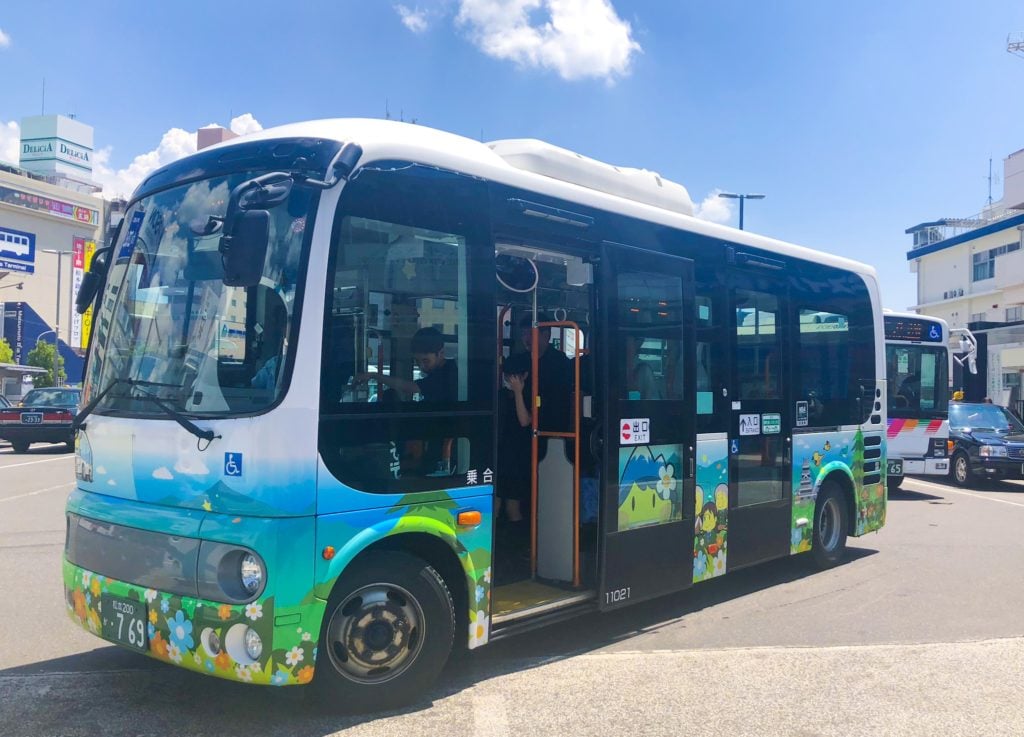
[(375, 633)]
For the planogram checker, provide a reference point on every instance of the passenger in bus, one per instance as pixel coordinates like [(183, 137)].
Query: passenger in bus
[(554, 369), (441, 384), (513, 478)]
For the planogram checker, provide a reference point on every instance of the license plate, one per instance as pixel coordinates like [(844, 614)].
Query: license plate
[(894, 467), (124, 621), (31, 418)]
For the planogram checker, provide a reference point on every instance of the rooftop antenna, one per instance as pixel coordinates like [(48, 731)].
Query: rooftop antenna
[(1015, 44), (387, 110), (992, 178)]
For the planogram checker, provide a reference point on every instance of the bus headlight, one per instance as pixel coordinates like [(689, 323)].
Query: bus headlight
[(992, 451), (253, 644), (250, 570)]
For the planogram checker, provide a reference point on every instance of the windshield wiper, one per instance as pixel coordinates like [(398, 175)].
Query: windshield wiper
[(79, 421), (207, 435)]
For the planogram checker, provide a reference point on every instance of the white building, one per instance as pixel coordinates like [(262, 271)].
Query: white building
[(50, 217), (970, 272)]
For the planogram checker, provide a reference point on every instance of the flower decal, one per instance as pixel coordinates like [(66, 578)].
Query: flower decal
[(478, 629), (174, 653), (254, 611), (150, 596), (158, 645), (224, 611), (700, 566), (243, 673), (223, 660), (181, 631), (666, 481), (305, 674), (719, 563), (294, 656)]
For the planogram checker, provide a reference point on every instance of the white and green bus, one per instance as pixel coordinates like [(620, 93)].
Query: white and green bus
[(301, 404)]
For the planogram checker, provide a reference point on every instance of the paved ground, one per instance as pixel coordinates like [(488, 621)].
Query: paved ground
[(919, 633)]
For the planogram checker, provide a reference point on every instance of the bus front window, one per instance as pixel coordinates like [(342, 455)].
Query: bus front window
[(917, 381), (169, 326)]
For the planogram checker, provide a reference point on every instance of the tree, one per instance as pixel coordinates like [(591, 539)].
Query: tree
[(6, 352), (42, 356)]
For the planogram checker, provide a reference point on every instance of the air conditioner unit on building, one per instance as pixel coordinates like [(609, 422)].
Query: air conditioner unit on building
[(945, 295)]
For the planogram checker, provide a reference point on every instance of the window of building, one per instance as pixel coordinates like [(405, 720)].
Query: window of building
[(978, 316), (984, 266), (1011, 379), (1015, 313)]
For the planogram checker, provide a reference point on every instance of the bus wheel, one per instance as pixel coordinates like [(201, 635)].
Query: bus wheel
[(830, 525), (894, 482), (19, 446), (390, 624)]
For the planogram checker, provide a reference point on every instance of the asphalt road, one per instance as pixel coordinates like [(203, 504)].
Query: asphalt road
[(919, 633)]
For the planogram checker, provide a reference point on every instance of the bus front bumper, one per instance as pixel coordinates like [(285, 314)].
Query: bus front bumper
[(203, 636)]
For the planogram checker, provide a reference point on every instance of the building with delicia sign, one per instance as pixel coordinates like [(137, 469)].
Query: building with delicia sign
[(52, 220)]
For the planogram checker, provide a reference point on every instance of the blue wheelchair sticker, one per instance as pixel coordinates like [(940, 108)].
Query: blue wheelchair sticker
[(735, 447), (935, 333), (232, 464)]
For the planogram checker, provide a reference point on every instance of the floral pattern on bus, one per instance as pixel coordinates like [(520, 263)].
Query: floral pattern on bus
[(650, 492), (711, 512), (186, 631)]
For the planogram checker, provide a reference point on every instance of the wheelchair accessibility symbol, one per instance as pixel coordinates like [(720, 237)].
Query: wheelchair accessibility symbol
[(935, 333), (232, 464)]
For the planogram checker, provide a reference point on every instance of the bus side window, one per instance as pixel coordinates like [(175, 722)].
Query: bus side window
[(406, 323)]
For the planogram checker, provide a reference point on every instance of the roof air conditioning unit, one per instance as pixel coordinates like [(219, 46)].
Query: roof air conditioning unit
[(638, 185)]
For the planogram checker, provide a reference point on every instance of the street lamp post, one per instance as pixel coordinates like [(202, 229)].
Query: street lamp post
[(56, 354), (741, 197), (56, 324)]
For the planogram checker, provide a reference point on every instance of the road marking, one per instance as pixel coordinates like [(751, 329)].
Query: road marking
[(37, 491), (946, 489), (32, 463)]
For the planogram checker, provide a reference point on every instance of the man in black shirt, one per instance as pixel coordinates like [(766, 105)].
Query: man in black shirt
[(441, 384)]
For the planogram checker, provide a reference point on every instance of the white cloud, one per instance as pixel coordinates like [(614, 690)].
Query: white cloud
[(5, 39), (174, 144), (576, 38), (413, 19), (245, 124), (714, 208), (163, 473), (10, 137)]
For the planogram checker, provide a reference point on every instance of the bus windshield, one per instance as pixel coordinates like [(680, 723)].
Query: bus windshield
[(168, 326), (918, 384)]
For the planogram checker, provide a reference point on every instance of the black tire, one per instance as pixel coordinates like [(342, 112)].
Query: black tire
[(396, 609), (894, 482), (960, 469), (830, 525), (20, 446), (69, 446)]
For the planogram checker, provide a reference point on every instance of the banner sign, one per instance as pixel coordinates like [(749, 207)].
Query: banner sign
[(90, 250), (77, 272), (85, 215)]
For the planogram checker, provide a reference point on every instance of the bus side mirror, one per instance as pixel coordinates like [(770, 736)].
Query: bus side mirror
[(243, 249), (92, 281)]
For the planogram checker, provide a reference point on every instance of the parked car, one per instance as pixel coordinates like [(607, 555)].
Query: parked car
[(988, 442), (43, 416)]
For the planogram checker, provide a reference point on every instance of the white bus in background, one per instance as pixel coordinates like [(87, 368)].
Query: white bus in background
[(917, 373)]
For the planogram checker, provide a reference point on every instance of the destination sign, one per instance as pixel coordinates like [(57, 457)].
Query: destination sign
[(912, 330)]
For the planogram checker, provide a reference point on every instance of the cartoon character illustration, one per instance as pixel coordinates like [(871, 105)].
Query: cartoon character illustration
[(649, 493), (817, 458), (828, 446)]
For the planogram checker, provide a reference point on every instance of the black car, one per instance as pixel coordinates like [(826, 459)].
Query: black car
[(43, 416), (988, 442)]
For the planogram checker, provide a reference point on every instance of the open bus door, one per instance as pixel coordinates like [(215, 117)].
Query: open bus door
[(647, 340)]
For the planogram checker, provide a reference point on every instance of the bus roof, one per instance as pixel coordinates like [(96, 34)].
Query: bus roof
[(392, 140)]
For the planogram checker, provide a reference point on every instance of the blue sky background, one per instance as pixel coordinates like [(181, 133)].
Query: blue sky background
[(857, 120)]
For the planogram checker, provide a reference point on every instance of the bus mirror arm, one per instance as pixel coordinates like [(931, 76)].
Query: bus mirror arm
[(340, 168)]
